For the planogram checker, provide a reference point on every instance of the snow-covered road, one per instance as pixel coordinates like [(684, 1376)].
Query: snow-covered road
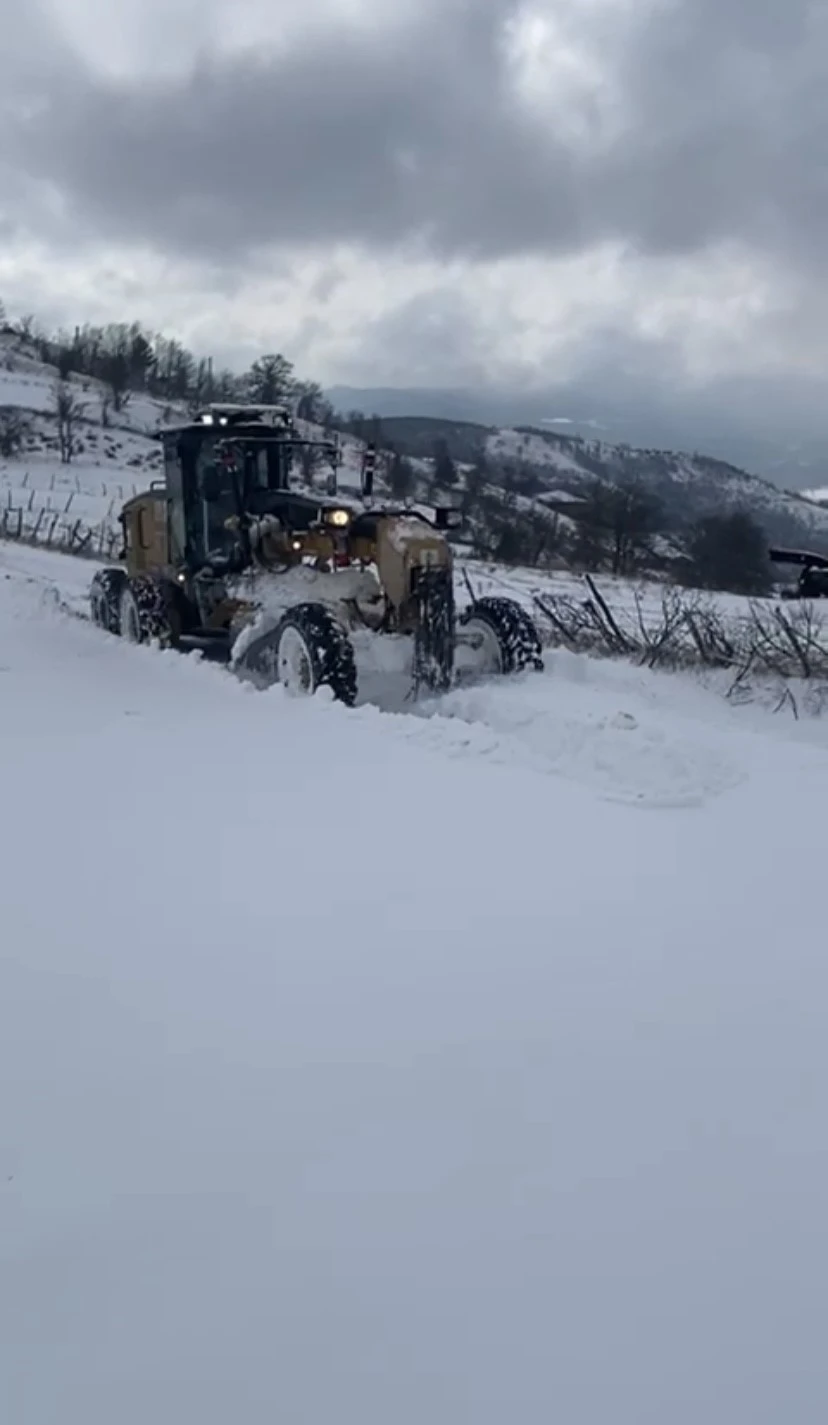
[(387, 1070)]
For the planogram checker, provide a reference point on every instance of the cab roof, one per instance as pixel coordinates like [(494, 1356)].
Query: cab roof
[(226, 414)]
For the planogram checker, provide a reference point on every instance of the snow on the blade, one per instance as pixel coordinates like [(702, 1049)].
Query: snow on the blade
[(272, 594)]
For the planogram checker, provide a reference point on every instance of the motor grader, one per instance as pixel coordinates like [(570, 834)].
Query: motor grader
[(288, 584)]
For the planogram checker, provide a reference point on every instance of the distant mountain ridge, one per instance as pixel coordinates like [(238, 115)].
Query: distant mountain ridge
[(782, 437), (686, 486)]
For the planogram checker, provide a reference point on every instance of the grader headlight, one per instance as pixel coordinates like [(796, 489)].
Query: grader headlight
[(340, 519)]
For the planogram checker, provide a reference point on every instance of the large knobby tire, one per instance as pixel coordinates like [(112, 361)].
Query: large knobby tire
[(511, 633), (146, 612), (308, 649), (105, 599)]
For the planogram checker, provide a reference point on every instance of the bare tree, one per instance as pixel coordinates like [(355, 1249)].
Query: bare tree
[(445, 470), (401, 478), (311, 461), (68, 410), (311, 404), (729, 551), (13, 431), (615, 526), (270, 380), (476, 481), (634, 518), (115, 366)]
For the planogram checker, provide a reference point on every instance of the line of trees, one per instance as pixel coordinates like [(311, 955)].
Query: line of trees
[(128, 359)]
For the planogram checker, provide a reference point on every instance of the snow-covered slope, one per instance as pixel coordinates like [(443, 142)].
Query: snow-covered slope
[(367, 1068), (72, 505), (686, 485), (28, 384)]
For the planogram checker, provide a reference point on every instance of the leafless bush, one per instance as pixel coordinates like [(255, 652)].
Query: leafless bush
[(791, 642), (666, 640), (768, 641), (68, 411), (14, 431)]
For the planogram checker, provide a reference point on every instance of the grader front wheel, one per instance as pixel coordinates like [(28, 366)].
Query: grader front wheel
[(507, 637), (307, 650)]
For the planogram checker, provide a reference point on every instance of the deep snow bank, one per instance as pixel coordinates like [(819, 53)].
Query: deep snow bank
[(352, 1071)]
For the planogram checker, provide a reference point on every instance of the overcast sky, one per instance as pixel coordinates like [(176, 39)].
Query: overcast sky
[(426, 191)]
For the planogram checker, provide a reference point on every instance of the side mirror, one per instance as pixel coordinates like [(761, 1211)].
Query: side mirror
[(211, 485)]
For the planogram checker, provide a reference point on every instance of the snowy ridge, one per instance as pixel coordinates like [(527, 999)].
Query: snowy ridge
[(687, 485), (533, 448)]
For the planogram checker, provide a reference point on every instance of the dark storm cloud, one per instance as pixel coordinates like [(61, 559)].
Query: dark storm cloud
[(730, 127), (383, 136), (353, 135)]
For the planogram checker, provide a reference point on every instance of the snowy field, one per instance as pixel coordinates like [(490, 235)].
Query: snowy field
[(403, 1070)]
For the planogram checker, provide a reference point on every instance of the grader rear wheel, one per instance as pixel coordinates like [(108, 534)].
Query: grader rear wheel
[(105, 599), (147, 613)]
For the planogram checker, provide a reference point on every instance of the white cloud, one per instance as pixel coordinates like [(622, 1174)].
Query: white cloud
[(350, 315), (126, 40)]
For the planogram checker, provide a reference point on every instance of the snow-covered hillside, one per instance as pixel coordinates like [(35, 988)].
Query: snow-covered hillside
[(354, 1067), (686, 485), (72, 505)]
